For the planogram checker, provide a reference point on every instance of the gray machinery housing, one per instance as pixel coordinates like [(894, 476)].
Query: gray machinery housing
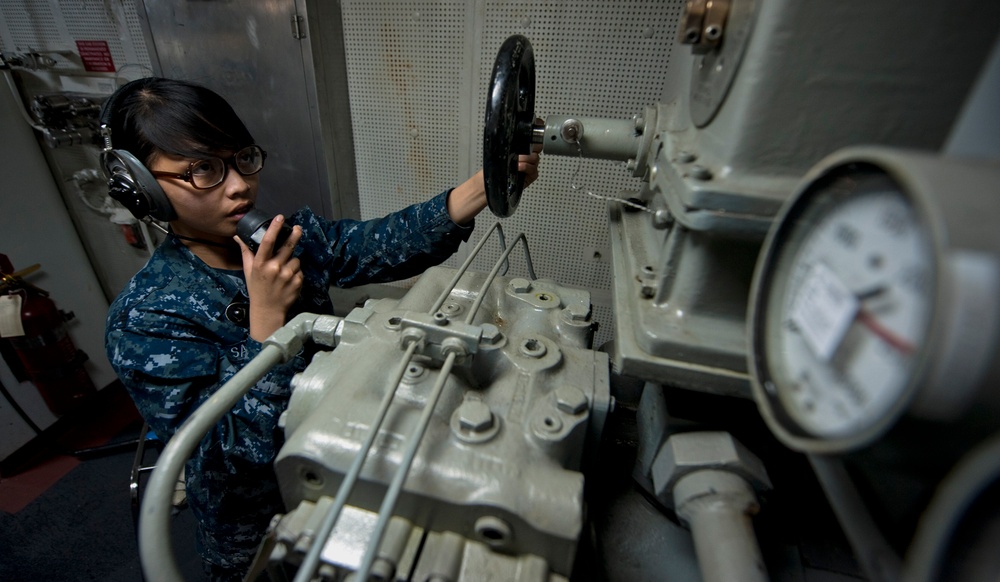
[(470, 430)]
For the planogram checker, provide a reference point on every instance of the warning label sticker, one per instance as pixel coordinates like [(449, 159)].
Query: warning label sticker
[(96, 56)]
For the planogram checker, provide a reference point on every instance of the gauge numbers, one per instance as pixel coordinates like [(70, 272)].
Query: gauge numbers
[(846, 323)]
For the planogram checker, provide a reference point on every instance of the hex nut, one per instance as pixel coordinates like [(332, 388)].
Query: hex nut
[(475, 416), (686, 453), (413, 334), (453, 345)]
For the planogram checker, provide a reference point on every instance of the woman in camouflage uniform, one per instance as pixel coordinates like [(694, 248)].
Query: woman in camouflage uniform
[(168, 334)]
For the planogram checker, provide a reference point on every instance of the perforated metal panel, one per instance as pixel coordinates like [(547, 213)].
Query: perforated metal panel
[(405, 63), (419, 75), (50, 25)]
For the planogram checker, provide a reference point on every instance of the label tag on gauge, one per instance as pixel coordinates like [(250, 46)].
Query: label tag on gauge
[(823, 310), (10, 316)]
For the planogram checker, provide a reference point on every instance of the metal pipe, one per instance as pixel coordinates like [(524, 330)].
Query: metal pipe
[(605, 139), (877, 558), (717, 505), (389, 502), (496, 269), (155, 546), (311, 560)]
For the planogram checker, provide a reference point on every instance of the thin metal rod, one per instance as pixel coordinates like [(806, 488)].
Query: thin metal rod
[(465, 265), (389, 502), (496, 269), (311, 561)]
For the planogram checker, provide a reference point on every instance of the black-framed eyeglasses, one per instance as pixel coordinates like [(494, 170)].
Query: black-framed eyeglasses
[(210, 172)]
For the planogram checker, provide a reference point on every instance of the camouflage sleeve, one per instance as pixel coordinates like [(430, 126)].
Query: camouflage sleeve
[(397, 246), (169, 371)]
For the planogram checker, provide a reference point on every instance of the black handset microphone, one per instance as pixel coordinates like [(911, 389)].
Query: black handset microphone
[(253, 225)]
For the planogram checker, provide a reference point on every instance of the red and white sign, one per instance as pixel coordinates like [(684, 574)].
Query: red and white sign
[(96, 56)]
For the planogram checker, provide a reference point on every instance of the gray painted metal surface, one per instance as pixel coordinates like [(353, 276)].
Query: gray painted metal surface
[(500, 464)]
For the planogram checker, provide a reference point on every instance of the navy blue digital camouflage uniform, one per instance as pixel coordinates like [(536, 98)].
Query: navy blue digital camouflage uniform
[(172, 346)]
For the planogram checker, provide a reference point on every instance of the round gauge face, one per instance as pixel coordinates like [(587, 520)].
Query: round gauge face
[(848, 308)]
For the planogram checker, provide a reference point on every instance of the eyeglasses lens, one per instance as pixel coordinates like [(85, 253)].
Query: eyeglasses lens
[(211, 172), (249, 160), (208, 173)]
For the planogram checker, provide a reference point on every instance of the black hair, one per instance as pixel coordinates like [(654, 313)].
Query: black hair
[(176, 117)]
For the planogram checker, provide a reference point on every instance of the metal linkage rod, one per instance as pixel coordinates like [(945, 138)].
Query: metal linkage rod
[(465, 265), (389, 502), (496, 269), (311, 561)]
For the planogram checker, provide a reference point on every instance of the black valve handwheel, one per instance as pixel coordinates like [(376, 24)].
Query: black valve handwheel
[(510, 114)]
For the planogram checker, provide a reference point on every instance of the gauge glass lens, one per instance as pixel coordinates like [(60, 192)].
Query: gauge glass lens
[(850, 309)]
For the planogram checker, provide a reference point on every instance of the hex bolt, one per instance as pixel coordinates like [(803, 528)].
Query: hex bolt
[(520, 285), (571, 400), (491, 334), (577, 312), (475, 416)]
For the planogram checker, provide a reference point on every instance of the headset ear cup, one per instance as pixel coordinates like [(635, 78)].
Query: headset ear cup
[(131, 184)]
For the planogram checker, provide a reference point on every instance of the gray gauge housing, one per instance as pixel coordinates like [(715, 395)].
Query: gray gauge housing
[(957, 202)]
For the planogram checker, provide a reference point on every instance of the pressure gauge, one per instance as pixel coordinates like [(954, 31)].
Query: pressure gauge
[(877, 294)]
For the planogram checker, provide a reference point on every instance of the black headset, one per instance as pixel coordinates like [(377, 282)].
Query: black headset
[(129, 181)]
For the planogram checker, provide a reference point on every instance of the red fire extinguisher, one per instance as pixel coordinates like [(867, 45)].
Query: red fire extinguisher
[(35, 343)]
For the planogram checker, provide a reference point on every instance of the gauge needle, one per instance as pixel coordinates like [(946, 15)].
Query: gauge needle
[(872, 323), (887, 335)]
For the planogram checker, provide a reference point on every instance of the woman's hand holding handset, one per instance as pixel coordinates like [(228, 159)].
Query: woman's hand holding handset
[(274, 279)]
